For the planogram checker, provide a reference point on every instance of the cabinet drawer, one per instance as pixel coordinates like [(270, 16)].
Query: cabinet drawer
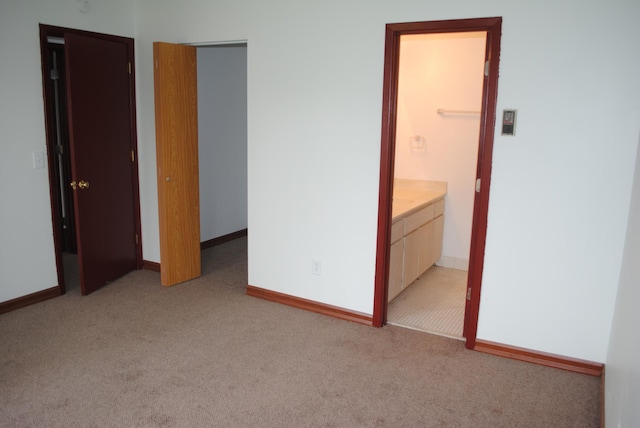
[(397, 230), (419, 218), (438, 208)]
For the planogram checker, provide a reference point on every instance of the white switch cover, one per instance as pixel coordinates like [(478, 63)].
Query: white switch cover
[(38, 160), (417, 142), (316, 267)]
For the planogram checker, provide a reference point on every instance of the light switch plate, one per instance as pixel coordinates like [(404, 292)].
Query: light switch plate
[(38, 160), (509, 121)]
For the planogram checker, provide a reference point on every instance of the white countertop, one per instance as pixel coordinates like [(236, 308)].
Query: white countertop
[(411, 195)]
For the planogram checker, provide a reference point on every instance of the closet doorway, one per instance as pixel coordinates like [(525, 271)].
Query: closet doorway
[(216, 162), (391, 131)]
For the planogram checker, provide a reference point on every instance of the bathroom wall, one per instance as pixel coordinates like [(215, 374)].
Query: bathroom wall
[(442, 71)]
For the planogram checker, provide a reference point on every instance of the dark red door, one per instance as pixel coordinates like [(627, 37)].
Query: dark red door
[(100, 124)]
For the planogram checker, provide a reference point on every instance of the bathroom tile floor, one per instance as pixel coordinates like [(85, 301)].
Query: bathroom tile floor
[(434, 303)]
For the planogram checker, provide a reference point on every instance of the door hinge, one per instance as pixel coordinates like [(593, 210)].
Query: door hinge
[(129, 67), (133, 156), (137, 239), (156, 63), (54, 74), (478, 185), (59, 149), (486, 68), (469, 293)]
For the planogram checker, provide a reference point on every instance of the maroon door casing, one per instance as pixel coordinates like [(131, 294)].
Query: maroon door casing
[(493, 28), (99, 109)]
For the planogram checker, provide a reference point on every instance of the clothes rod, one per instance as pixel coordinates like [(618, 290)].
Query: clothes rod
[(445, 111)]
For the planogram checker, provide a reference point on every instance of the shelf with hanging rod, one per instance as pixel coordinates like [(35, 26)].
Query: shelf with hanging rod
[(447, 111)]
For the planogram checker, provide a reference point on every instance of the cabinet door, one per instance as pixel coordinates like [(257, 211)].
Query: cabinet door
[(412, 243), (426, 247), (438, 234), (395, 269)]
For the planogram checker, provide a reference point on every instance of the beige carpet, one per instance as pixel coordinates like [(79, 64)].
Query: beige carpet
[(434, 303), (203, 354)]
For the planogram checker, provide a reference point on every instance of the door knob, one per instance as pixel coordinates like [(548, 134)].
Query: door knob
[(81, 184)]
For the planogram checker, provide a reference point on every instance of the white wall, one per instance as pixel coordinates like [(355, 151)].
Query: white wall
[(27, 262), (554, 246), (560, 189), (622, 388), (222, 140), (442, 71)]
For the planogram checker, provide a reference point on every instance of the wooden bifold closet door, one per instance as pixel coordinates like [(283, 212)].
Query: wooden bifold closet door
[(176, 106)]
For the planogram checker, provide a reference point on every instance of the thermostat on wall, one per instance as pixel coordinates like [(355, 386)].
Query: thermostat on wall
[(509, 122)]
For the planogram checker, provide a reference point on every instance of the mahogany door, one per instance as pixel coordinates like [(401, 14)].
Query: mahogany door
[(176, 106), (102, 158)]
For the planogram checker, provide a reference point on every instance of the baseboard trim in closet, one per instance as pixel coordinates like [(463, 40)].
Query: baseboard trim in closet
[(540, 358), (222, 239), (309, 305)]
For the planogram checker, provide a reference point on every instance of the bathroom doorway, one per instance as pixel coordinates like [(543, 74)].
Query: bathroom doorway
[(390, 108), (437, 130)]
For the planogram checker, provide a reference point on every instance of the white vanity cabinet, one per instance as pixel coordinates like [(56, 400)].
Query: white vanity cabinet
[(397, 254), (438, 232), (416, 244)]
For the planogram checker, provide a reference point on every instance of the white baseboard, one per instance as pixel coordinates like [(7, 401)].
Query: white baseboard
[(453, 263)]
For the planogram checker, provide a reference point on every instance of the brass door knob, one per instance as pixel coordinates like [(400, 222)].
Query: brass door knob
[(81, 184)]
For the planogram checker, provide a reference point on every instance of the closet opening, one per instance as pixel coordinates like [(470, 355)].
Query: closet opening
[(212, 209)]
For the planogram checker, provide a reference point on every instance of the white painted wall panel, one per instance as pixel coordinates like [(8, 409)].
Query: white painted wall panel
[(222, 140), (442, 71), (622, 389)]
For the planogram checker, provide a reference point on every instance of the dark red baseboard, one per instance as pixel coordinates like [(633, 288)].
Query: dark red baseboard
[(309, 305), (222, 239), (603, 390), (154, 266), (146, 264), (30, 299), (541, 358)]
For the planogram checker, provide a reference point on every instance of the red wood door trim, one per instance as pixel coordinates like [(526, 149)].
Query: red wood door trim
[(387, 157)]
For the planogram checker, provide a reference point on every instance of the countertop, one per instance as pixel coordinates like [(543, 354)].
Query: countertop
[(411, 195)]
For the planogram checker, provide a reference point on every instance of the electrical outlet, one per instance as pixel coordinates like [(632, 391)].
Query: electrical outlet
[(316, 267), (84, 6)]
